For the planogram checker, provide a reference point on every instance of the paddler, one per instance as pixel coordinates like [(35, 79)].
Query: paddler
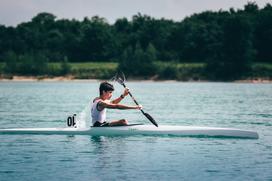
[(101, 103)]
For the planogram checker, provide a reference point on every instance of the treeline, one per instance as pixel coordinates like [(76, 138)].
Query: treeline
[(227, 41)]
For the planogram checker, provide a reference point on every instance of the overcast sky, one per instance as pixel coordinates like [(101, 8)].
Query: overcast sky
[(13, 12)]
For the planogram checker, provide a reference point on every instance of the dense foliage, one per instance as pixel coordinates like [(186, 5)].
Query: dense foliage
[(227, 41)]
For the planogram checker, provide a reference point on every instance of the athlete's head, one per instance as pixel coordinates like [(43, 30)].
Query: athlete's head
[(105, 86)]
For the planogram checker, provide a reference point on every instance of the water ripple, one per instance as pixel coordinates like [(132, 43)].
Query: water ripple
[(245, 106)]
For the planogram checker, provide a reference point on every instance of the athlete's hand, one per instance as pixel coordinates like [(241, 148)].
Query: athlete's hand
[(140, 107), (126, 91)]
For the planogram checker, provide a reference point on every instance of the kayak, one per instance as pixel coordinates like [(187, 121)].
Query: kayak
[(139, 129)]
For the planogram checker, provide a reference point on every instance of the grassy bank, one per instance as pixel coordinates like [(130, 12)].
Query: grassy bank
[(262, 71), (180, 71), (165, 71), (90, 70)]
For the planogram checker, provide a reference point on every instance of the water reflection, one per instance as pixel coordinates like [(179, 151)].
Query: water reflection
[(110, 154)]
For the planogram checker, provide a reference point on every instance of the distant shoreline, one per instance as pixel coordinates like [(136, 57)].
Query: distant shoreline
[(43, 79), (71, 78)]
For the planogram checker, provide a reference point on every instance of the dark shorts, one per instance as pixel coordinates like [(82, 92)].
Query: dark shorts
[(98, 124)]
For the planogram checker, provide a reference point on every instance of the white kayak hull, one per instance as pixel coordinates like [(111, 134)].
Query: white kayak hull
[(139, 130)]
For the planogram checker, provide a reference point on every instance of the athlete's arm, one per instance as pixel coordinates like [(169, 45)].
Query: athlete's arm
[(105, 104), (117, 100)]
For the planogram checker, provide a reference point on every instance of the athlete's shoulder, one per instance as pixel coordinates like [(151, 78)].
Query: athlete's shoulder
[(96, 99)]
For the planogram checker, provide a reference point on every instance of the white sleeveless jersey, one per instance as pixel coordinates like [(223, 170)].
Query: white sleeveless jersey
[(97, 115)]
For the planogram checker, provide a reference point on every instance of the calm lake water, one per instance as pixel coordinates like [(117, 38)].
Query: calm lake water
[(61, 157)]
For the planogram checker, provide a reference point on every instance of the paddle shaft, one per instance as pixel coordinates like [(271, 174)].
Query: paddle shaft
[(150, 118), (133, 98)]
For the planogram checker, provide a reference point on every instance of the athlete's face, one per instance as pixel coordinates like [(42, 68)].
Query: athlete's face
[(108, 94)]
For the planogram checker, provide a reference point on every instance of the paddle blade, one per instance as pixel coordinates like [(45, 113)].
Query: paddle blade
[(119, 77), (151, 119)]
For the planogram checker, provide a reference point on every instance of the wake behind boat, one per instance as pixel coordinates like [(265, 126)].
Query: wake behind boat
[(139, 129)]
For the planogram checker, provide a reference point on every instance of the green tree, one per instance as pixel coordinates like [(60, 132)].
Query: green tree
[(138, 62), (125, 60), (263, 35), (97, 42), (32, 64), (236, 51), (10, 60), (65, 67)]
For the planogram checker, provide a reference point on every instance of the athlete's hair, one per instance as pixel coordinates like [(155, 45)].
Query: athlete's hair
[(105, 86)]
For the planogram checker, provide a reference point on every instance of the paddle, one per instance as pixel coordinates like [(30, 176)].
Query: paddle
[(120, 78)]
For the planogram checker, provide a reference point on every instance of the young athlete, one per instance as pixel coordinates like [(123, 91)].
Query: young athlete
[(101, 103)]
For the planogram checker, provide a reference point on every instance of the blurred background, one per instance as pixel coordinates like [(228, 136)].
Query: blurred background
[(178, 40)]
